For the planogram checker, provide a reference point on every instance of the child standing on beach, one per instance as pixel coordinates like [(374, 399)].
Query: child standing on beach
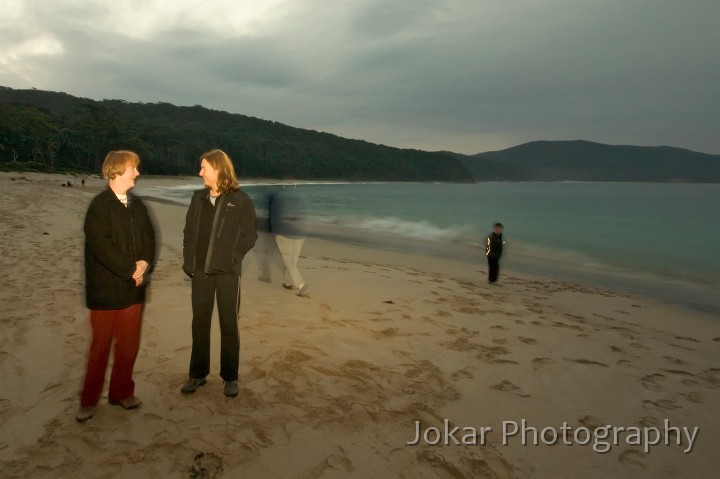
[(493, 251)]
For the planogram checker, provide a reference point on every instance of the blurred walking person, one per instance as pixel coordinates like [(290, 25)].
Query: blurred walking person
[(286, 210), (220, 228), (119, 252)]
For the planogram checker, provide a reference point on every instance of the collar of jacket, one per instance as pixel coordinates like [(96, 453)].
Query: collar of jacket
[(109, 195)]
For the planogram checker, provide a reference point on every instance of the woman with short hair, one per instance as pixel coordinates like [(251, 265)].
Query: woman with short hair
[(220, 228), (119, 252)]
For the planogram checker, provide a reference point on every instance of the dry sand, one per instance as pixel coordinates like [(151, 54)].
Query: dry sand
[(333, 384)]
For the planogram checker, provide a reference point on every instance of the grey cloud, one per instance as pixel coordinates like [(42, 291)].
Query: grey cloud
[(459, 75)]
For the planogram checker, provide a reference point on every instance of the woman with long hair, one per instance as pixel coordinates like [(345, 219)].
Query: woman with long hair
[(220, 228)]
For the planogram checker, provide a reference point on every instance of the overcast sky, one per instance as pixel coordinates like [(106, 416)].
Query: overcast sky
[(460, 75)]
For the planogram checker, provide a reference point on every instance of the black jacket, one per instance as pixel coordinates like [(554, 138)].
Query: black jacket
[(233, 233), (115, 238), (494, 246)]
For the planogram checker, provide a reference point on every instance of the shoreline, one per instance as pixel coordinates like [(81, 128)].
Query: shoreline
[(686, 293), (689, 294), (333, 384)]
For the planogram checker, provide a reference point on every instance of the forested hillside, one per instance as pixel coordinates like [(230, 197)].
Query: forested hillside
[(55, 131)]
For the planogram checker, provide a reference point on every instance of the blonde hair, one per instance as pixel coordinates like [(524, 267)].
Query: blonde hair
[(117, 161), (220, 161)]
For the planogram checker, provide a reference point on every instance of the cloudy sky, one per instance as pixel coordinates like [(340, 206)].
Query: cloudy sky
[(460, 75)]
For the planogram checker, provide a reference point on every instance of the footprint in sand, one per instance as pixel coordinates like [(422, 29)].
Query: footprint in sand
[(632, 458), (465, 373), (587, 362), (679, 372), (687, 338), (438, 462), (491, 355), (462, 344), (676, 361), (680, 346), (463, 332), (527, 340), (651, 382), (507, 386), (660, 405), (693, 397), (540, 362), (623, 331), (591, 422), (447, 466), (339, 461), (560, 324)]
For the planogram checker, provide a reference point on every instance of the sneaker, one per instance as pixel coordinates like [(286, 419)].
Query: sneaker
[(304, 289), (192, 385), (231, 389), (132, 402), (288, 286), (84, 413)]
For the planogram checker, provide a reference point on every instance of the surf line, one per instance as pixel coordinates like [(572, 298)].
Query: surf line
[(602, 438)]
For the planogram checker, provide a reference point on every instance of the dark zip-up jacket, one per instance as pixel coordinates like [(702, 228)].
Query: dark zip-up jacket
[(233, 233), (494, 246), (116, 237)]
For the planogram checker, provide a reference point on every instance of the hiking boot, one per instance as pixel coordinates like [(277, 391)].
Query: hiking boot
[(192, 385)]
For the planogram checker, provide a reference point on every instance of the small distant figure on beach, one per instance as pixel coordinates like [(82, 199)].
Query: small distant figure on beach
[(69, 184), (220, 228), (493, 251), (119, 252), (286, 211), (83, 182)]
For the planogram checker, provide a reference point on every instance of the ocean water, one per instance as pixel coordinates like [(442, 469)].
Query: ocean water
[(654, 239)]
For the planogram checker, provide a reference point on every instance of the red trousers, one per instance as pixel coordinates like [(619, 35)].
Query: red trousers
[(124, 326)]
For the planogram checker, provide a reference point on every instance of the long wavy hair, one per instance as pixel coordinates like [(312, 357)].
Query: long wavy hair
[(219, 160)]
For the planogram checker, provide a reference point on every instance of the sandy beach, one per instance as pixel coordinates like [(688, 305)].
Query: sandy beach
[(334, 385)]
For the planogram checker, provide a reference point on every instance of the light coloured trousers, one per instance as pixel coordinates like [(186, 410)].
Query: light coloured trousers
[(290, 251)]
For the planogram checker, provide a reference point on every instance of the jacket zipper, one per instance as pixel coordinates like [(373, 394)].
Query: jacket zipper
[(218, 209)]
